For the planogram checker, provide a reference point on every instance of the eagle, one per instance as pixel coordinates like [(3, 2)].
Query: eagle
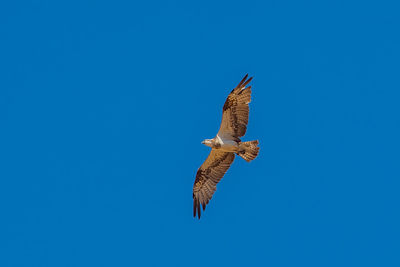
[(225, 145)]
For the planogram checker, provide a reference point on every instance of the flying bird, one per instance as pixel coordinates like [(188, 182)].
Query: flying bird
[(224, 146)]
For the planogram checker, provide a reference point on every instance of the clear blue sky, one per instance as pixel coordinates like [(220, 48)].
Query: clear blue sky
[(103, 107)]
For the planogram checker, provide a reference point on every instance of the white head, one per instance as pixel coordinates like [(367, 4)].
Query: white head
[(207, 142)]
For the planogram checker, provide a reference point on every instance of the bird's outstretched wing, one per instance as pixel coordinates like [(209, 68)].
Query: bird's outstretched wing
[(235, 113), (207, 177)]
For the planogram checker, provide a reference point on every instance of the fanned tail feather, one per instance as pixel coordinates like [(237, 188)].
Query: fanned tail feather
[(248, 150)]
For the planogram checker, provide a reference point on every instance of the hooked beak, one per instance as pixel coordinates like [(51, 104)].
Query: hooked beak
[(202, 142)]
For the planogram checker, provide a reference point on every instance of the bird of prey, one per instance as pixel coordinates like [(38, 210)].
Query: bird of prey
[(235, 115)]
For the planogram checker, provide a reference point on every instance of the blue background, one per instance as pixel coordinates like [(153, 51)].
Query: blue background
[(103, 106)]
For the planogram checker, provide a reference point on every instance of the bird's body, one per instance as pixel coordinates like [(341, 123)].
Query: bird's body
[(225, 145)]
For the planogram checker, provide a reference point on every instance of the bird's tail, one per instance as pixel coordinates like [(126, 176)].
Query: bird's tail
[(248, 150)]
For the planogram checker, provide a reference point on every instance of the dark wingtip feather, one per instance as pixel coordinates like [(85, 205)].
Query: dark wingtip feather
[(242, 83), (194, 208), (198, 209), (243, 80), (247, 82)]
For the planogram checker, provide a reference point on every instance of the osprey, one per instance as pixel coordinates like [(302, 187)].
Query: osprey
[(235, 115)]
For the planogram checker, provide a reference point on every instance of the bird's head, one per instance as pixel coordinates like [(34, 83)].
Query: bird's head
[(207, 142)]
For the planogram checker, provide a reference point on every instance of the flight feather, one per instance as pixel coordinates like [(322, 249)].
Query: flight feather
[(207, 177), (235, 112)]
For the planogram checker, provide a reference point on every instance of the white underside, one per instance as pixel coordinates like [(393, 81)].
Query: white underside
[(227, 144)]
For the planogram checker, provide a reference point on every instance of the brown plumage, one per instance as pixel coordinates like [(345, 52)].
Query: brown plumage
[(248, 150), (207, 177), (235, 113), (227, 143)]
